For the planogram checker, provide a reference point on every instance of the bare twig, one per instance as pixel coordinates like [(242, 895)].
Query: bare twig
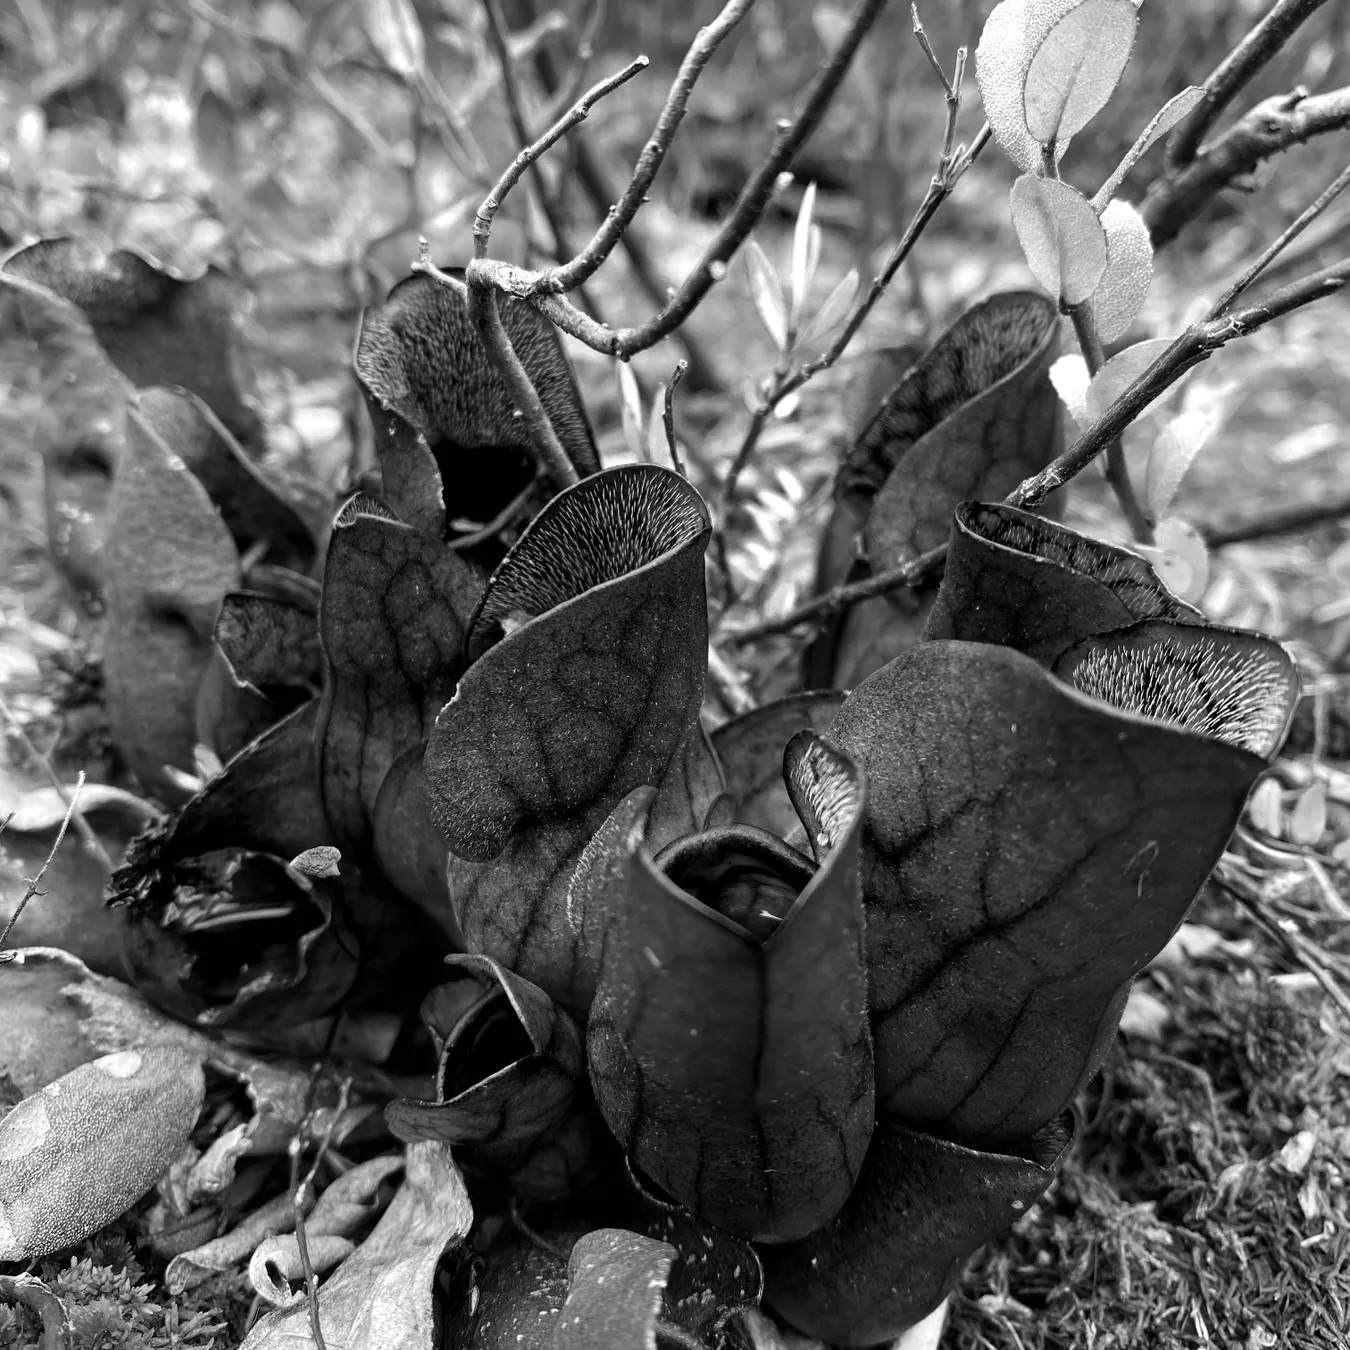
[(498, 522), (81, 825), (1283, 520), (1195, 345), (31, 889), (1117, 471), (601, 245), (668, 416), (482, 221), (950, 169), (1273, 250), (1235, 72), (1270, 127)]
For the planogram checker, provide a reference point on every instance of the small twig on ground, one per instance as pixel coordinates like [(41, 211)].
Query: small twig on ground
[(668, 416), (31, 889), (300, 1188), (1235, 72), (544, 1245), (1200, 341), (81, 825), (498, 522), (1117, 471)]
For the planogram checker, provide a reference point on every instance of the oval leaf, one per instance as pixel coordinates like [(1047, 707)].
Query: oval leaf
[(1184, 436), (766, 290), (81, 1152), (1120, 372), (617, 1279), (1129, 271), (1060, 234), (1076, 68)]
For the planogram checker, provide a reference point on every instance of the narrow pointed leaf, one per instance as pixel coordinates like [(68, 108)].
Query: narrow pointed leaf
[(1076, 68), (1028, 849), (1060, 234), (753, 1109), (441, 409), (751, 750), (1225, 684), (766, 290), (81, 434), (391, 620), (1178, 106), (158, 328), (835, 306), (1021, 581), (920, 1209), (1129, 271), (169, 563)]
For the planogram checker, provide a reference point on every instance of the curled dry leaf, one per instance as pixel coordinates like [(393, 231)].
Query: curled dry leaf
[(384, 1294), (81, 1152)]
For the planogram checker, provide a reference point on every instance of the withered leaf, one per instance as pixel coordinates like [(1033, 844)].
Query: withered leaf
[(384, 1293), (1027, 850), (80, 433), (1022, 581), (753, 1108), (158, 328), (251, 506), (442, 414), (395, 602), (751, 747), (266, 662), (169, 563), (591, 645), (920, 1208)]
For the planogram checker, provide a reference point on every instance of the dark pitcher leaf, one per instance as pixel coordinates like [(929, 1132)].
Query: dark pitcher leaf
[(391, 620), (257, 514), (1027, 850), (1226, 684), (920, 1209), (754, 1107), (80, 433), (1022, 581), (973, 417), (615, 1296), (443, 415), (511, 1082), (266, 799), (591, 645), (233, 939), (265, 663), (750, 748), (157, 327), (169, 563)]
